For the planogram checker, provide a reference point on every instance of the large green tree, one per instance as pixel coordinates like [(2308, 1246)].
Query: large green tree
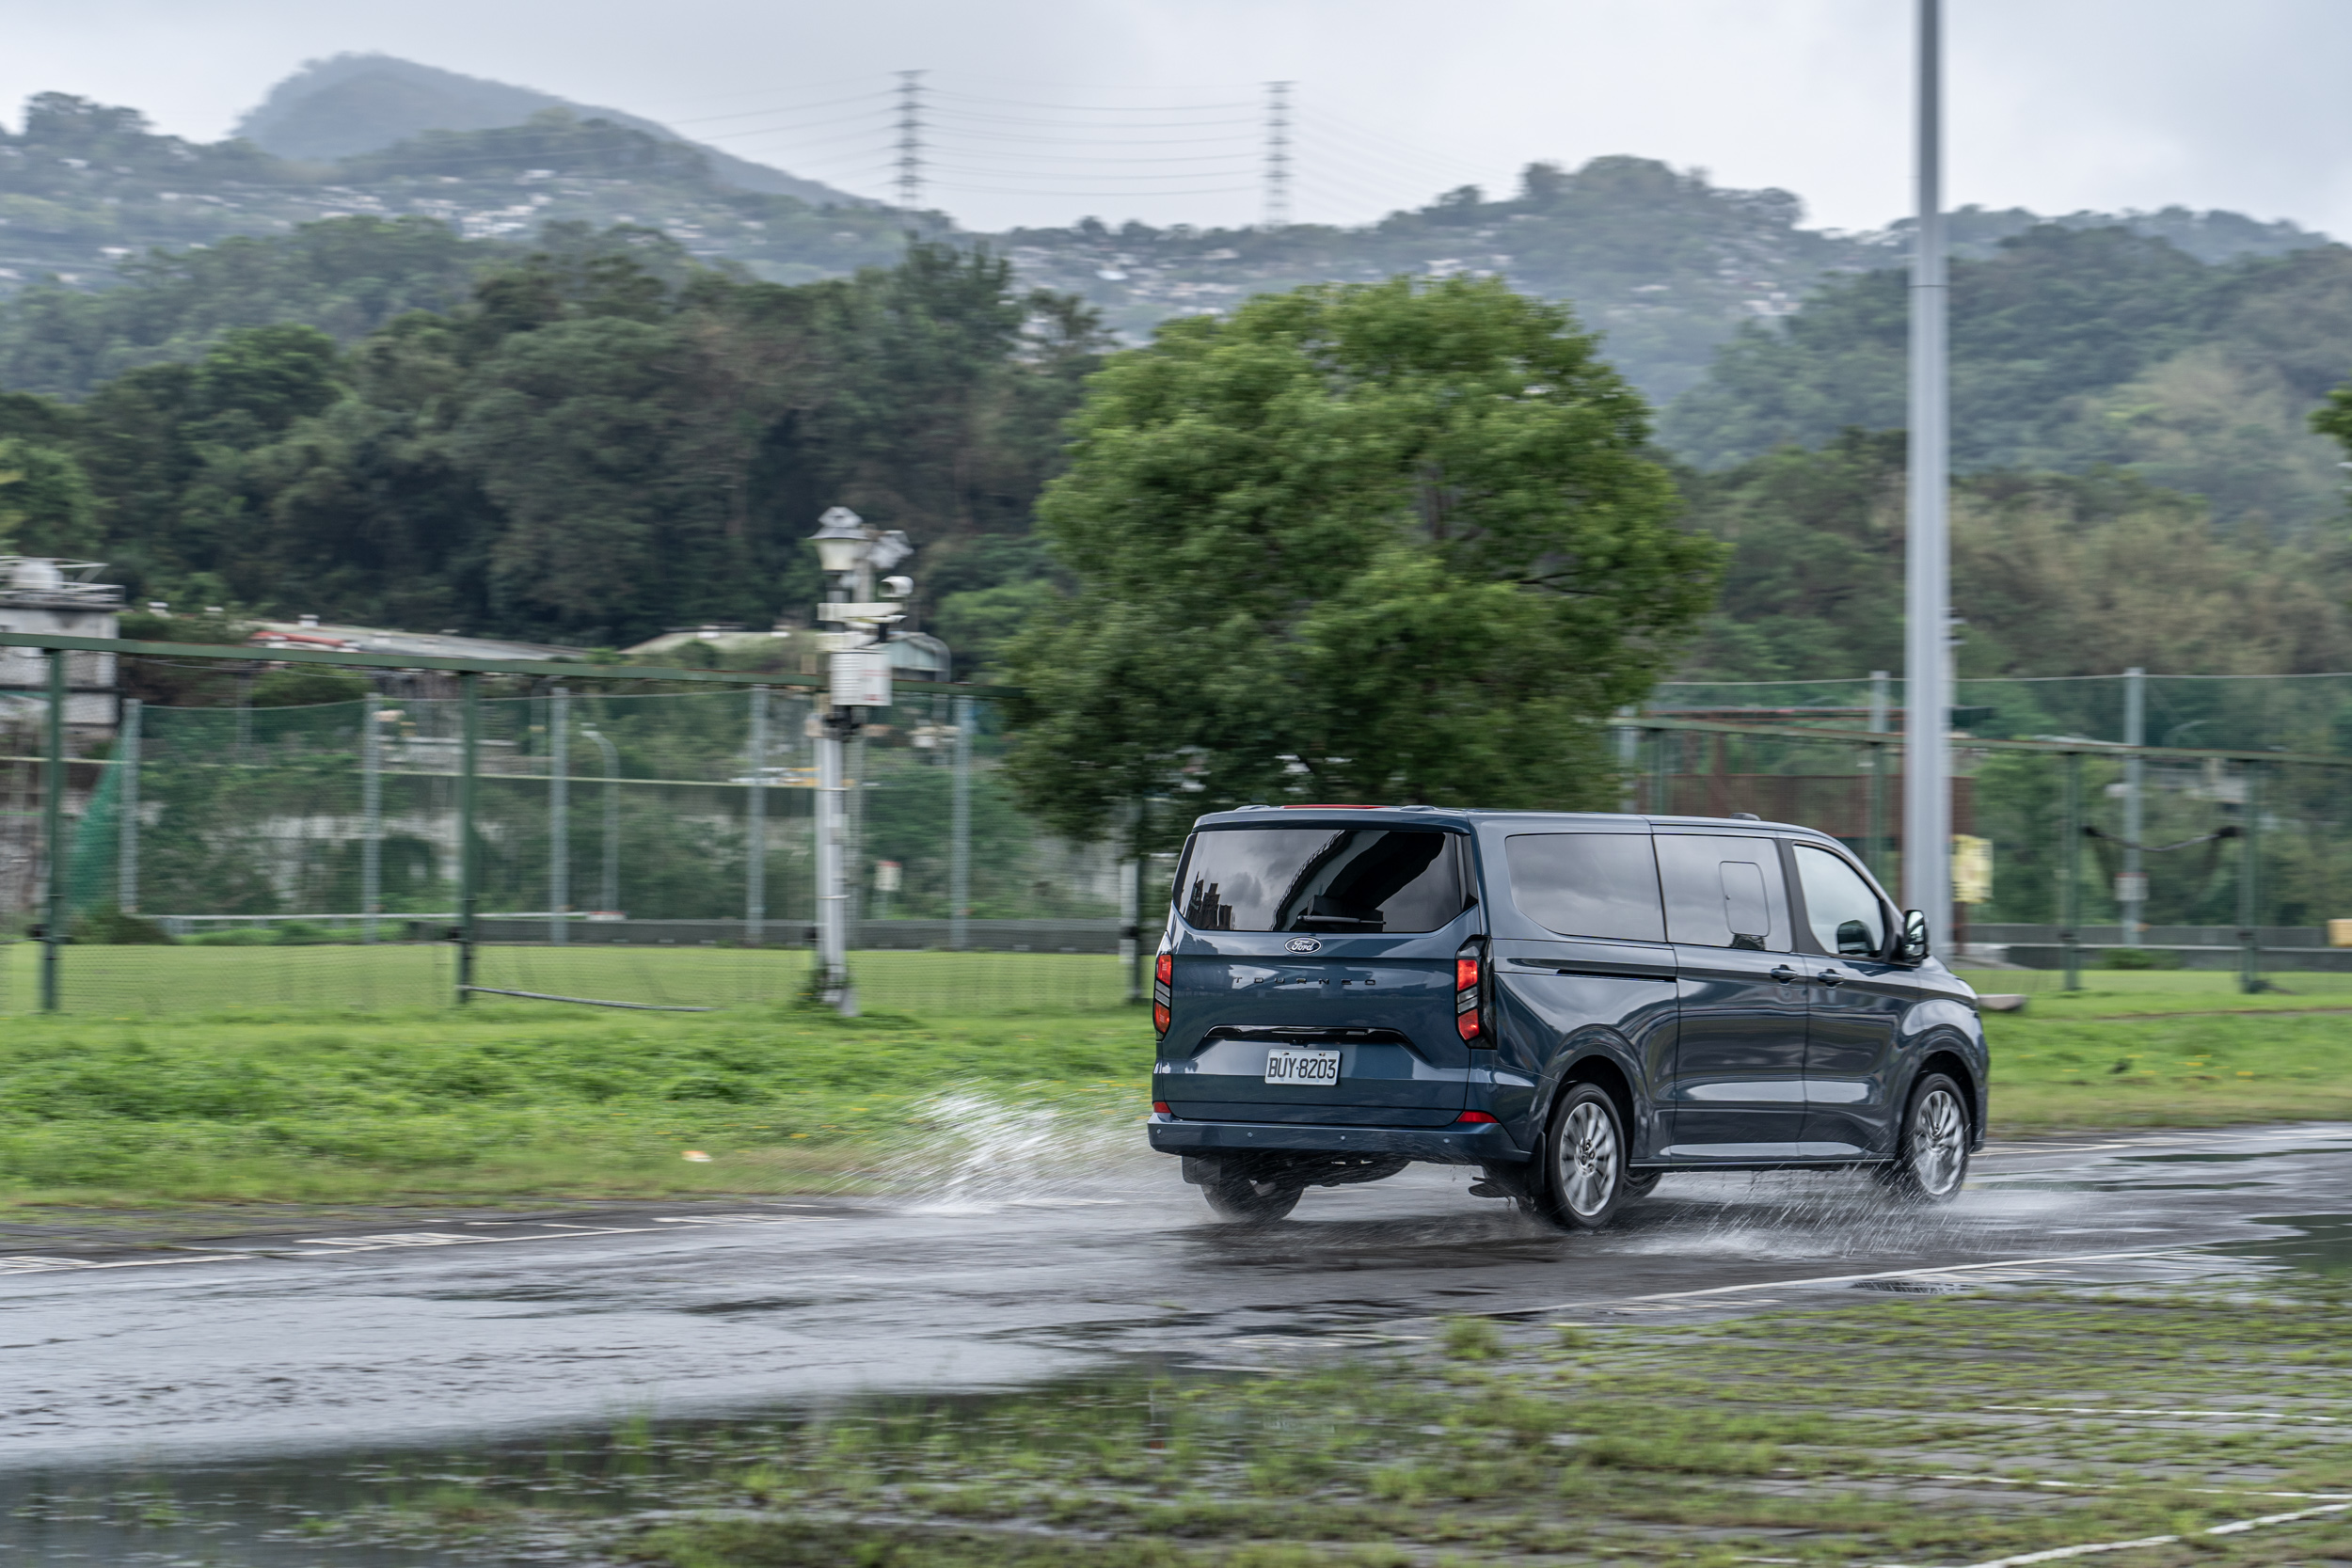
[(1396, 542)]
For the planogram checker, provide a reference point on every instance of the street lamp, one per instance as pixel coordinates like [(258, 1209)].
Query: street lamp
[(859, 677)]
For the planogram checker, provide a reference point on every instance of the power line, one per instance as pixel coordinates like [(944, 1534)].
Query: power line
[(1278, 154), (909, 140)]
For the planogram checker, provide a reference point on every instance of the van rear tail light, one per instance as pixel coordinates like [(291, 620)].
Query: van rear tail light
[(1469, 991), (1473, 1118), (1163, 978), (1159, 1108)]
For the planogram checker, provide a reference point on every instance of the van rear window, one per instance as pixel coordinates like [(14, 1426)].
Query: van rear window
[(1323, 879)]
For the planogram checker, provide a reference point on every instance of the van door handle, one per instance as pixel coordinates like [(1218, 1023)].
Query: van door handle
[(1784, 974), (1829, 978)]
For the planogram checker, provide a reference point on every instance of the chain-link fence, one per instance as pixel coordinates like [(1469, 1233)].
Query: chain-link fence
[(643, 840), (634, 843), (2071, 854)]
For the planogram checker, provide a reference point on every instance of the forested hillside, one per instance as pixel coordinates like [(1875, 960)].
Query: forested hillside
[(2072, 349), (2052, 575), (602, 440)]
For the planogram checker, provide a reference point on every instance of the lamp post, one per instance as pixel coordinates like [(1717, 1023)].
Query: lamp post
[(850, 553)]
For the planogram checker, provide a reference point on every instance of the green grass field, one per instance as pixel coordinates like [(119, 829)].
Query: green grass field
[(115, 982), (230, 1074)]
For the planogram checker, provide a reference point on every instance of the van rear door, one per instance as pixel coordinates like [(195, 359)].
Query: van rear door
[(1313, 975)]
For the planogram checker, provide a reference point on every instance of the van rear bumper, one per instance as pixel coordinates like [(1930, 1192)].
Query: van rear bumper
[(1477, 1144)]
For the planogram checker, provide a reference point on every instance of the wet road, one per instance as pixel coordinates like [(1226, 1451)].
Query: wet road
[(480, 1327)]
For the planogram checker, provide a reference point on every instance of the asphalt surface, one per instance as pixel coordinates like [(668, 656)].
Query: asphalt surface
[(1019, 1266)]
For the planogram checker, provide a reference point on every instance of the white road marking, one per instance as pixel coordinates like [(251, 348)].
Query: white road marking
[(390, 1241), (2236, 1527), (2021, 1268)]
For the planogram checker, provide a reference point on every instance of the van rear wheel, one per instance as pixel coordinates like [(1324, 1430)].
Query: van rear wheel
[(1252, 1200), (1585, 1152)]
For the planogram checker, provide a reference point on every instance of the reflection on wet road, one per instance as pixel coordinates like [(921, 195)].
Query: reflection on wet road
[(418, 1332)]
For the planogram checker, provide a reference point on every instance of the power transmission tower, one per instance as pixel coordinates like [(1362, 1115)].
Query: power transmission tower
[(1278, 154), (909, 140)]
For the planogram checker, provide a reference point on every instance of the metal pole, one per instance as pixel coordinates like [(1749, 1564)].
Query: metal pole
[(610, 895), (560, 815), (2250, 964), (371, 814), (960, 834), (127, 809), (1927, 757), (2069, 870), (755, 824), (1629, 762), (1130, 901), (470, 684), (1661, 773), (854, 837), (2131, 892), (833, 979), (53, 833), (1874, 852)]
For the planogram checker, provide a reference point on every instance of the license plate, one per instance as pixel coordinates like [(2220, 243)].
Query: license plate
[(1302, 1067)]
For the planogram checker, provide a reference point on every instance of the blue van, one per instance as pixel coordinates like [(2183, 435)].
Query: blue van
[(1576, 1003)]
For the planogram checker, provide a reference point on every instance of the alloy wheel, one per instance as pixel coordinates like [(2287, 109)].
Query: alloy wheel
[(1939, 1138), (1589, 1160)]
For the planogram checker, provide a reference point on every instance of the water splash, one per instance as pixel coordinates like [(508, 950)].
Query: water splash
[(1819, 1216), (976, 1151)]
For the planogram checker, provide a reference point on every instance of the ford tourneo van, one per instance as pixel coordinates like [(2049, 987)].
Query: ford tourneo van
[(1577, 1003)]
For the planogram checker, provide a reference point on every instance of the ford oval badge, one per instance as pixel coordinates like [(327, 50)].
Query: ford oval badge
[(1304, 945)]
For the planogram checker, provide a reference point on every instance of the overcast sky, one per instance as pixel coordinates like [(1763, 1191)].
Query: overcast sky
[(2056, 104)]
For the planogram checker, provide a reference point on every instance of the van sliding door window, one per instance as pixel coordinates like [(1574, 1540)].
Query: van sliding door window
[(1724, 892), (1328, 879), (1587, 884)]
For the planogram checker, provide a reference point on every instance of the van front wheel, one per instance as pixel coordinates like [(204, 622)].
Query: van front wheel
[(1584, 1170)]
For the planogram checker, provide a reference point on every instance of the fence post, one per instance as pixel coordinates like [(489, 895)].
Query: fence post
[(53, 833), (959, 832), (559, 815), (2131, 888), (470, 684), (2249, 963), (1876, 855), (1660, 794), (1628, 760), (755, 824), (2070, 873), (371, 814), (1132, 910), (127, 810)]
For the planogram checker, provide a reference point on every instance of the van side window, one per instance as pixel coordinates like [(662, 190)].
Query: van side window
[(1846, 916), (1587, 884), (1724, 892)]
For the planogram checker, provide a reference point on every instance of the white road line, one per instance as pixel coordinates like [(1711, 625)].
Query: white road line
[(2121, 1410), (350, 1246), (2236, 1527), (1923, 1270)]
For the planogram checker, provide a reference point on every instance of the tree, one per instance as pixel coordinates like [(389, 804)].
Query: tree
[(1397, 542), (46, 507)]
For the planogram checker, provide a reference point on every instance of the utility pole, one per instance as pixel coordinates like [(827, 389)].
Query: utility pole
[(53, 835), (1278, 154), (2131, 888), (1926, 749), (910, 141)]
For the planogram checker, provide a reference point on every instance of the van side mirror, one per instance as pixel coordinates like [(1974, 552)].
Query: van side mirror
[(1853, 940), (1912, 947)]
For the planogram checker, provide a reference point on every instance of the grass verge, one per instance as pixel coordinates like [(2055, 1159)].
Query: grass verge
[(515, 1099), (510, 1100)]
